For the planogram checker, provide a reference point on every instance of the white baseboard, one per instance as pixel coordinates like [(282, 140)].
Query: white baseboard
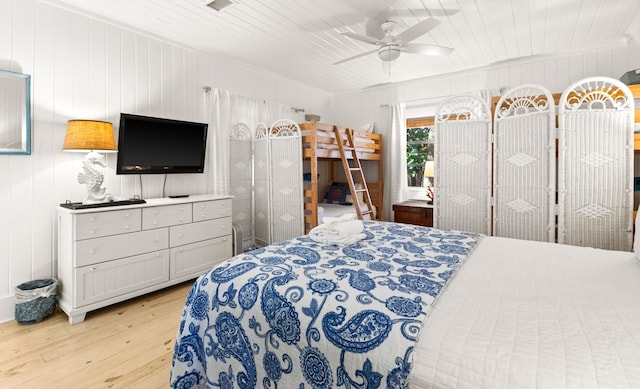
[(7, 308)]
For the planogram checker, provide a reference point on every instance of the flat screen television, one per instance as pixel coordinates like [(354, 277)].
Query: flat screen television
[(151, 145)]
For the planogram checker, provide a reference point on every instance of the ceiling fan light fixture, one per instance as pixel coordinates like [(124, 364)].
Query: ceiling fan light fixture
[(389, 53)]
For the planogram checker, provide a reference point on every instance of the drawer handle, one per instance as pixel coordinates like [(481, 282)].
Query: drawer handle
[(157, 240), (181, 219), (93, 269), (155, 222), (202, 206), (91, 232), (180, 236), (126, 227), (92, 251), (203, 216), (127, 216), (92, 219)]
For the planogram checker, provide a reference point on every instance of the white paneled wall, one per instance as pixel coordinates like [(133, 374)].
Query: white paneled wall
[(83, 68)]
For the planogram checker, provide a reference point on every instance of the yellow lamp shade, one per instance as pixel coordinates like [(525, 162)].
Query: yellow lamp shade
[(429, 168), (83, 135)]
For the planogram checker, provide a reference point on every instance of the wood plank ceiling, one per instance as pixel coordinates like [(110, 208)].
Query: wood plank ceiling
[(301, 39)]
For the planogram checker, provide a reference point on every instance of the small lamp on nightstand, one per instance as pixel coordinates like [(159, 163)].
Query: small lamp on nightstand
[(429, 168), (93, 136)]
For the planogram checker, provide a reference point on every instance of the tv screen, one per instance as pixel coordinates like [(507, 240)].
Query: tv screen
[(150, 145)]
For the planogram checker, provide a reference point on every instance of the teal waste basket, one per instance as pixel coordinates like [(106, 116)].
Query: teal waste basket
[(35, 300)]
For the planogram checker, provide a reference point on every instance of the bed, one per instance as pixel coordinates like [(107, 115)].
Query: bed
[(338, 201), (319, 146), (411, 306)]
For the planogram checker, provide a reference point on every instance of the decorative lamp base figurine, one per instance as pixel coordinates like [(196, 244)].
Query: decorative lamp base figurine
[(429, 195), (92, 176), (92, 136)]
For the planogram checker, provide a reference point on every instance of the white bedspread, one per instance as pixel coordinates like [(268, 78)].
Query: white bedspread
[(523, 314)]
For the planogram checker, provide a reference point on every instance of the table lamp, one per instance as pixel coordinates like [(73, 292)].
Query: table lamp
[(429, 168), (93, 136)]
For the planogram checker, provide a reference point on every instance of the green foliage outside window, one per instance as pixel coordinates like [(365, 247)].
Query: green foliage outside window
[(418, 152)]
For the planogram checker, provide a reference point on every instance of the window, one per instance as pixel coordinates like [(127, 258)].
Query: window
[(419, 151)]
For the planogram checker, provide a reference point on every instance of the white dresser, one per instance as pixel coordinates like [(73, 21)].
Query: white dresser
[(110, 254)]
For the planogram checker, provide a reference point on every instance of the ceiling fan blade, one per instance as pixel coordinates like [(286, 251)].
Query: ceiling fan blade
[(426, 13), (417, 30), (374, 23), (362, 38), (356, 56), (427, 49)]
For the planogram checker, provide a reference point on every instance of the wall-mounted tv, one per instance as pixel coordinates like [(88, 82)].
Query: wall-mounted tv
[(151, 145)]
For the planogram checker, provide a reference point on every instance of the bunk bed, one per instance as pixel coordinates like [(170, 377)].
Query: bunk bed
[(319, 145)]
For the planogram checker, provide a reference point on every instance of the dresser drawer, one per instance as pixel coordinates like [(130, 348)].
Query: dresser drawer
[(106, 280), (195, 232), (214, 209), (166, 215), (192, 260), (97, 224), (91, 251)]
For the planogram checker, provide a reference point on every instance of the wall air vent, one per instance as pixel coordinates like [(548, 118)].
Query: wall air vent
[(219, 4)]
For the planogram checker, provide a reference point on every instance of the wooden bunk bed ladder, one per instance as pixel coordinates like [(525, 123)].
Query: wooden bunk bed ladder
[(351, 169)]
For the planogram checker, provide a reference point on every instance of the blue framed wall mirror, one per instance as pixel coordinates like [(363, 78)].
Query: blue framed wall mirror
[(15, 113)]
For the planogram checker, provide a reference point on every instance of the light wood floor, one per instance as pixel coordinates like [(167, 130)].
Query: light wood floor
[(127, 345)]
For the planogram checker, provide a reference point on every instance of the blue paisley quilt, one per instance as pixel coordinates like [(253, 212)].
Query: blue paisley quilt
[(301, 314)]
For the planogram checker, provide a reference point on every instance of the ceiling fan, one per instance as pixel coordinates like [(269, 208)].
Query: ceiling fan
[(390, 46)]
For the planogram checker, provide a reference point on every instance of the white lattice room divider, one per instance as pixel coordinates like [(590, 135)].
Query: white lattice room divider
[(278, 193), (241, 174), (524, 177), (285, 161), (463, 165), (595, 164), (261, 185)]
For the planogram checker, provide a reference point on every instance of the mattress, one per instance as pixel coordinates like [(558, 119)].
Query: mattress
[(523, 314), (336, 210), (358, 138)]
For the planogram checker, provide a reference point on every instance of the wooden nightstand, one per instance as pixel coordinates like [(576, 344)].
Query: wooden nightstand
[(417, 212)]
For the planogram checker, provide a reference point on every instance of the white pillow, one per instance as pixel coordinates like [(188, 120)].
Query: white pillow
[(359, 195), (636, 236)]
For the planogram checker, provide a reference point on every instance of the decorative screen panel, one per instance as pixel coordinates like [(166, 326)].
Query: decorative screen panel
[(463, 165), (262, 193), (595, 164), (287, 202), (524, 187), (241, 172)]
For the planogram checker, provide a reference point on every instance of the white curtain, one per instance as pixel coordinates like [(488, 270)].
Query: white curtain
[(272, 111), (486, 95), (219, 118), (395, 161), (223, 110), (246, 110)]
